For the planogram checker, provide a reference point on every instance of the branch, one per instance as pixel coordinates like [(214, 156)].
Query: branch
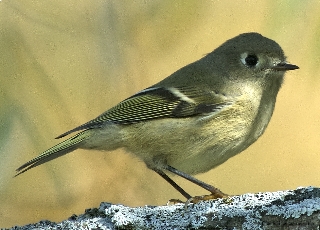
[(270, 210)]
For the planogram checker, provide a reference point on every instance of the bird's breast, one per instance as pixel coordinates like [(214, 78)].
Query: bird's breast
[(200, 143)]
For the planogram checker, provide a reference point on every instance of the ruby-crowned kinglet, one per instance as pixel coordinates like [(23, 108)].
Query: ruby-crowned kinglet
[(195, 119)]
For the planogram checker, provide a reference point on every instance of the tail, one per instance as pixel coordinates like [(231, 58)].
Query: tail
[(56, 151)]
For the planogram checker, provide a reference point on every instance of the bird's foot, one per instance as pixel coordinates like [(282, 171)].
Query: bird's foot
[(214, 195), (193, 200), (175, 201), (197, 199)]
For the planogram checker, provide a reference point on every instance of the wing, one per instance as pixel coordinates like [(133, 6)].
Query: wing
[(159, 102)]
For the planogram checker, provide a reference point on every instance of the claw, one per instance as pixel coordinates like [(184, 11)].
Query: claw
[(212, 196), (174, 201)]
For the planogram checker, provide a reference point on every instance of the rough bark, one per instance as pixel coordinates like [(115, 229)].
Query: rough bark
[(293, 209)]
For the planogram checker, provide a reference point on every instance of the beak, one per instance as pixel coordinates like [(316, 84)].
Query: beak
[(283, 66)]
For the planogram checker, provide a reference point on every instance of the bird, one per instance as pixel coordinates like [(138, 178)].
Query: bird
[(193, 120)]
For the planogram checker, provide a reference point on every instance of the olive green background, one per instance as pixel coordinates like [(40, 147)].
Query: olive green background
[(65, 62)]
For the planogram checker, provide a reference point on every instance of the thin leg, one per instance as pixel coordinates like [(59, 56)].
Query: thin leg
[(174, 184), (215, 191)]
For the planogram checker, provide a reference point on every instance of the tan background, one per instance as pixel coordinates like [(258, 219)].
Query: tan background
[(65, 62)]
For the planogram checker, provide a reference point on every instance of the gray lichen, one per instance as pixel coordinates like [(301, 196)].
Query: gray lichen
[(267, 210)]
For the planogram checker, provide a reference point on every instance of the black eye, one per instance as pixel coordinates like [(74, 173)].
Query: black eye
[(251, 60)]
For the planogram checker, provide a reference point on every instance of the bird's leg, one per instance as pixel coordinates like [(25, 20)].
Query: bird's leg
[(175, 185), (215, 192)]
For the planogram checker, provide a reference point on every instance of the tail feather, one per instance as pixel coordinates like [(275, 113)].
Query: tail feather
[(56, 151)]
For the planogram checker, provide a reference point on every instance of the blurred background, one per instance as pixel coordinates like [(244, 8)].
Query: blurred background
[(65, 62)]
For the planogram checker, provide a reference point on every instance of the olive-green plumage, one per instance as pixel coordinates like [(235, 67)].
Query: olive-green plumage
[(195, 119)]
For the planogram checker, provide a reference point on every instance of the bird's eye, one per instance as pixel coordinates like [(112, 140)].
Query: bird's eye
[(251, 60)]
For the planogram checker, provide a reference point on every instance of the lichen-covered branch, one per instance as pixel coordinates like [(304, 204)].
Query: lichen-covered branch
[(294, 209)]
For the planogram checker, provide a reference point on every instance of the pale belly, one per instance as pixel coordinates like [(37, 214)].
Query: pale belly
[(195, 145)]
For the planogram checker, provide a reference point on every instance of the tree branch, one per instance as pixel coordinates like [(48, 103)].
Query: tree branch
[(291, 209)]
